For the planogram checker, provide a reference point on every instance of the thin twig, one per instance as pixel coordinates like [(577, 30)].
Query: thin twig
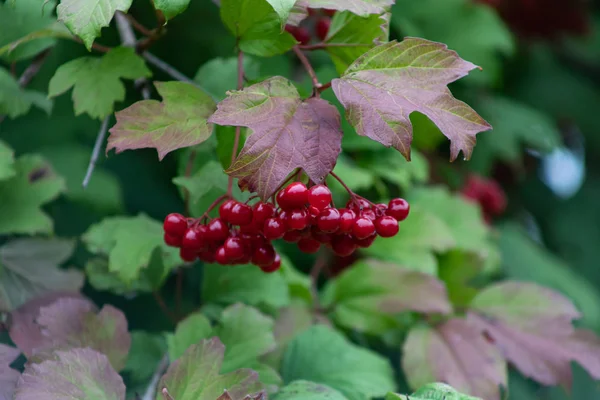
[(137, 26), (238, 129), (96, 152), (124, 26), (95, 46), (308, 67), (169, 70), (33, 68), (325, 86), (321, 46), (160, 369)]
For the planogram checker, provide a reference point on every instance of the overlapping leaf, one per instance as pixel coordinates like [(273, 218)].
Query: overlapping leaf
[(144, 355), (8, 376), (358, 7), (100, 76), (82, 373), (454, 352), (531, 325), (176, 122), (367, 296), (305, 390), (30, 268), (16, 101), (384, 86), (288, 133), (85, 18), (171, 8)]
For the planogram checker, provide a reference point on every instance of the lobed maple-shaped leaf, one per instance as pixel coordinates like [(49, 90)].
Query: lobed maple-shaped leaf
[(73, 374), (176, 122), (8, 376), (30, 268), (100, 76), (385, 85), (16, 101), (531, 326), (367, 296), (85, 18), (358, 7), (457, 353), (171, 8), (196, 375), (288, 133)]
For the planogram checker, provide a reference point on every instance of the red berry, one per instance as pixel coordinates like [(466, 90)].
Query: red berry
[(221, 256), (380, 209), (254, 227), (369, 213), (261, 212), (192, 239), (295, 195), (386, 226), (329, 12), (343, 245), (274, 228), (366, 242), (274, 266), (399, 209), (322, 27), (240, 214), (309, 246), (299, 33), (207, 256), (297, 219), (321, 237), (292, 236), (225, 209), (313, 211), (175, 224), (357, 204), (329, 220), (263, 255), (234, 248), (188, 255), (347, 218), (319, 196), (363, 228), (174, 241), (217, 230)]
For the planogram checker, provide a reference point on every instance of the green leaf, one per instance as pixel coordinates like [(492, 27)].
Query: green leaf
[(483, 38), (282, 8), (171, 8), (21, 19), (188, 332), (100, 76), (367, 296), (146, 351), (219, 75), (196, 375), (7, 161), (257, 26), (34, 185), (441, 391), (305, 390), (416, 73), (27, 46), (85, 18), (356, 178), (176, 122), (15, 101), (322, 355), (421, 235), (210, 176), (246, 284), (389, 166), (358, 7), (129, 242), (30, 268)]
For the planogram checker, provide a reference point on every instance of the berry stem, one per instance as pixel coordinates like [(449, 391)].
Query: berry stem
[(238, 129), (138, 26), (215, 203), (337, 178), (309, 69)]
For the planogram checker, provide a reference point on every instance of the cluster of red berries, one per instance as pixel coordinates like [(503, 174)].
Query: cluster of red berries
[(488, 194), (319, 24), (243, 234)]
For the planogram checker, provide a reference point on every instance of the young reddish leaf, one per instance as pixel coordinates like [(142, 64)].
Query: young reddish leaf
[(176, 122), (196, 375), (456, 353), (358, 7), (73, 374), (532, 327), (8, 376), (288, 133), (385, 85)]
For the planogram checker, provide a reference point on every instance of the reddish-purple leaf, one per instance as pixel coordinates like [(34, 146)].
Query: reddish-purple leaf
[(196, 375), (385, 85), (288, 133), (8, 376), (456, 353), (176, 122), (359, 7), (73, 374), (532, 326)]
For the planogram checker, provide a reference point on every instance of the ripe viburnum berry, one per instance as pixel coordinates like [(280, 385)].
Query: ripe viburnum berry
[(175, 224), (363, 228), (297, 219), (274, 228), (263, 255), (399, 209), (328, 220), (234, 248), (322, 27), (225, 209), (308, 245), (217, 230), (319, 196), (274, 266), (294, 196), (240, 214), (386, 226)]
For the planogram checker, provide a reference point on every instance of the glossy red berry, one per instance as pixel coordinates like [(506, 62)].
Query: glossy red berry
[(221, 256), (319, 236), (188, 255), (329, 12), (343, 245), (308, 245), (358, 204), (369, 213), (366, 242), (329, 220), (207, 256), (192, 239), (261, 212), (322, 27), (225, 209), (263, 255), (319, 196), (297, 219), (175, 224), (294, 196), (347, 218), (292, 236), (234, 248), (363, 228), (173, 241), (240, 214), (386, 226), (274, 228), (274, 266), (299, 33), (399, 209), (217, 230)]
